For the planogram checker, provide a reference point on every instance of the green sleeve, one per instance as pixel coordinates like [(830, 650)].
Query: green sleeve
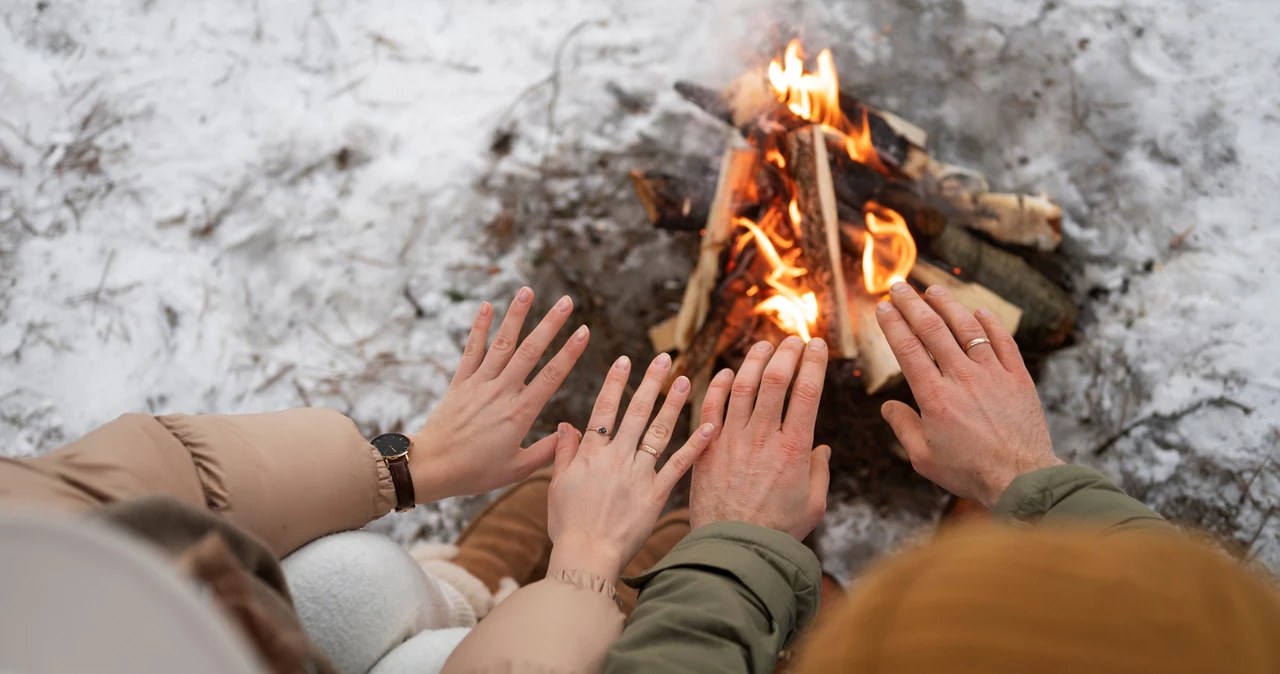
[(1071, 494), (726, 599)]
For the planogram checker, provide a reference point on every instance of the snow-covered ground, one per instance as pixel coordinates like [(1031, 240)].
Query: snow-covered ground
[(243, 206)]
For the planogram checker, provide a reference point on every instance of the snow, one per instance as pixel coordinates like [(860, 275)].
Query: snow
[(263, 183)]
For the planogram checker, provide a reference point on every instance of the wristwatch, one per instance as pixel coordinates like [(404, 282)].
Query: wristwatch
[(394, 448)]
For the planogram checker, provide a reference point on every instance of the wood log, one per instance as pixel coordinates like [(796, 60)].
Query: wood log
[(672, 202), (877, 365), (662, 337), (971, 295), (819, 236), (1048, 312), (737, 170), (1022, 220)]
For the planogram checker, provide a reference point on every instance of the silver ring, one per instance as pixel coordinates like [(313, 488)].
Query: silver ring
[(602, 431), (649, 450), (980, 340)]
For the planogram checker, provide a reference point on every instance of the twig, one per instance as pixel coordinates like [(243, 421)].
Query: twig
[(275, 378), (1219, 401), (418, 311), (555, 84), (102, 281), (302, 393), (214, 220)]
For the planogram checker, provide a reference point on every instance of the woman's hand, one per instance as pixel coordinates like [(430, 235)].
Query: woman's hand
[(604, 495), (471, 441), (763, 469), (980, 423)]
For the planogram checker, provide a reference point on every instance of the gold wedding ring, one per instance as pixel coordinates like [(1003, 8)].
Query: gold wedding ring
[(649, 450), (980, 340)]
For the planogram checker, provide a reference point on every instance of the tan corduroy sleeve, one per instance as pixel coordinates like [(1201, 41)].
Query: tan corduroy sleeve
[(564, 623), (288, 477)]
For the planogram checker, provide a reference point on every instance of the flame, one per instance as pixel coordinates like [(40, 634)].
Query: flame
[(889, 252), (793, 309)]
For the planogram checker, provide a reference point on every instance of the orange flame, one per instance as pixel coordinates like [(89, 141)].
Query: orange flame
[(793, 309), (882, 268)]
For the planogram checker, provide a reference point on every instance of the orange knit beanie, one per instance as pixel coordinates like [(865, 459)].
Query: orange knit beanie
[(997, 600)]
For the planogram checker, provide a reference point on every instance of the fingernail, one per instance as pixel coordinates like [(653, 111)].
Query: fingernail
[(936, 291), (984, 312), (524, 295), (562, 432), (763, 347), (792, 341), (622, 363), (485, 308), (884, 306), (564, 304), (662, 362), (581, 334), (900, 287), (706, 430), (681, 385), (817, 344)]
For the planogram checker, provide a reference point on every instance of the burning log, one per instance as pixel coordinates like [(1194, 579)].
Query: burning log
[(737, 168), (1023, 220), (1048, 313), (673, 203), (878, 366), (819, 236)]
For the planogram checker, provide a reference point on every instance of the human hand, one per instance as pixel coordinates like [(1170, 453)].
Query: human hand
[(605, 496), (761, 469), (980, 423), (470, 443)]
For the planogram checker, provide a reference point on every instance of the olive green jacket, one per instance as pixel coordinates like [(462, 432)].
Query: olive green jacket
[(732, 595)]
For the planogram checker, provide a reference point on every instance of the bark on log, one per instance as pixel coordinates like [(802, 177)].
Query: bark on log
[(737, 169), (819, 236), (1048, 312), (672, 202), (1023, 220), (972, 295)]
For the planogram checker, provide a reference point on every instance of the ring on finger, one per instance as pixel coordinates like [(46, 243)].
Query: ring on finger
[(975, 342), (601, 430), (649, 450)]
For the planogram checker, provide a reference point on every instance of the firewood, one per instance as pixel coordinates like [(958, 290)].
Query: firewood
[(1023, 220), (971, 295), (819, 236), (737, 169), (878, 366), (672, 202), (663, 336), (1048, 312)]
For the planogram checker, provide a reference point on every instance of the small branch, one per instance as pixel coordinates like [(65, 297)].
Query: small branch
[(97, 294), (1219, 401)]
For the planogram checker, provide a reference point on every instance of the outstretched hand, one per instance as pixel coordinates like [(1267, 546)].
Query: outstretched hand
[(470, 443), (980, 423), (605, 495), (762, 469)]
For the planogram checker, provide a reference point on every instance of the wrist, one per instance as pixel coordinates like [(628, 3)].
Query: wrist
[(997, 487), (430, 475), (596, 559)]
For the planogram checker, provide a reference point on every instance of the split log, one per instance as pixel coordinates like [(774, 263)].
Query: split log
[(971, 295), (1023, 220), (1048, 312), (737, 170), (819, 236), (662, 337), (877, 365), (674, 203)]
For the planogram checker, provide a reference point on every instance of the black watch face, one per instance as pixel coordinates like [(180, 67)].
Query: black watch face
[(391, 445)]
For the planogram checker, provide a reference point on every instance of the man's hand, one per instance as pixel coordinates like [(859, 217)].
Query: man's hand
[(471, 442), (761, 469), (980, 423)]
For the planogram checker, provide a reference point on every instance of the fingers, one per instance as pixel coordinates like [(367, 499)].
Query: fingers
[(961, 323), (917, 366), (819, 482), (775, 381), (553, 374), (742, 397), (637, 416), (717, 394), (567, 441), (605, 412), (807, 391), (538, 454), (907, 426), (504, 343), (680, 462), (526, 357), (659, 433), (927, 325), (1002, 343), (473, 353)]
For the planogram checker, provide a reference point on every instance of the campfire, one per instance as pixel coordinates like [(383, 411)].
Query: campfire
[(821, 203)]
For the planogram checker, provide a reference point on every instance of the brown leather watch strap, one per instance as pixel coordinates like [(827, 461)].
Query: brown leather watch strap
[(399, 468)]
